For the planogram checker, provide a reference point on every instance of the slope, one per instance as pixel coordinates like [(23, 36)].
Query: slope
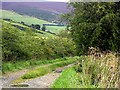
[(30, 20)]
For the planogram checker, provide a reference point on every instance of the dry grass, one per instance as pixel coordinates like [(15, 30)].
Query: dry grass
[(103, 69)]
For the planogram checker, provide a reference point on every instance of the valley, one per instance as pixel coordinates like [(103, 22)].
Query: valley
[(60, 45)]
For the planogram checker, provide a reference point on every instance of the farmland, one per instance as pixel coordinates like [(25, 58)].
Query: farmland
[(30, 20)]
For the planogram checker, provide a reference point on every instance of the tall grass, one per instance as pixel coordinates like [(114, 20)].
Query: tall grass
[(100, 72)]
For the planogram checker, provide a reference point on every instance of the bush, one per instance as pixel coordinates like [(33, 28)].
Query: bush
[(25, 45)]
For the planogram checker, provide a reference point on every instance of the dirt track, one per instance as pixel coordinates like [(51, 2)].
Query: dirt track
[(40, 82)]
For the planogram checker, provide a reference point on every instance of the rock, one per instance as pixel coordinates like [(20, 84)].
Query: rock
[(59, 70)]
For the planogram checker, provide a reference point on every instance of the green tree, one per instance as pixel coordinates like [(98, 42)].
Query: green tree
[(95, 24), (43, 27)]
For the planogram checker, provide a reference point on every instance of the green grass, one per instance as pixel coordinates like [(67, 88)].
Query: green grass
[(13, 23), (30, 20), (19, 65), (71, 79), (55, 29), (18, 18), (44, 70), (68, 79), (37, 32)]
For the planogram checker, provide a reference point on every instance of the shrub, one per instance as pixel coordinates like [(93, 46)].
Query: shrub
[(25, 45)]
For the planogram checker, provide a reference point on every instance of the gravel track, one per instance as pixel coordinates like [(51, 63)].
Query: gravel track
[(41, 82)]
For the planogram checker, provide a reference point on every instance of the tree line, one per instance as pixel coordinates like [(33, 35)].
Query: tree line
[(95, 24)]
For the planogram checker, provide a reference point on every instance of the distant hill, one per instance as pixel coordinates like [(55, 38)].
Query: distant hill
[(22, 18), (6, 14), (49, 11)]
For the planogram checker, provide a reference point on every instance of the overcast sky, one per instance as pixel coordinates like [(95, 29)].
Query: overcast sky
[(33, 0)]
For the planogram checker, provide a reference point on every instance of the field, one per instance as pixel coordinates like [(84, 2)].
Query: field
[(18, 18), (30, 20), (56, 29)]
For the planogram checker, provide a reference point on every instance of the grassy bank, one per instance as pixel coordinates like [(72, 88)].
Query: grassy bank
[(44, 70), (70, 78), (19, 65), (91, 72)]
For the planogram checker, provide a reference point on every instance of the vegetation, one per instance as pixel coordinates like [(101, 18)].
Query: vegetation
[(56, 29), (47, 69), (43, 28), (99, 72), (91, 72), (68, 79), (95, 31), (24, 18), (26, 45), (38, 13), (26, 64), (27, 20), (95, 25)]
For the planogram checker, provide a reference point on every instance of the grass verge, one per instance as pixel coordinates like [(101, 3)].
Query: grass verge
[(68, 79), (44, 70), (19, 65)]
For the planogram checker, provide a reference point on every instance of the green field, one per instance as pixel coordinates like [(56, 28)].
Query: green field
[(18, 18), (37, 32), (56, 29), (30, 20)]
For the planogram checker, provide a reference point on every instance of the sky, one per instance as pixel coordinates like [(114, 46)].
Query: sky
[(59, 0), (34, 0)]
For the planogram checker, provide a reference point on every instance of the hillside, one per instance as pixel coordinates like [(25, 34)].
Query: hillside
[(56, 7), (39, 54), (30, 20), (49, 11), (18, 18), (27, 44)]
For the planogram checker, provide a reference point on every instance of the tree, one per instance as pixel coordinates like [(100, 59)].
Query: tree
[(95, 25), (37, 26), (43, 27), (22, 22)]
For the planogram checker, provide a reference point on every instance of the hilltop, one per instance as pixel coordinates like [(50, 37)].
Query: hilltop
[(49, 11)]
